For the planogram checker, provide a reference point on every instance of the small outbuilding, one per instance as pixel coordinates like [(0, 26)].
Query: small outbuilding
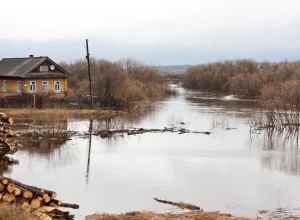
[(34, 76)]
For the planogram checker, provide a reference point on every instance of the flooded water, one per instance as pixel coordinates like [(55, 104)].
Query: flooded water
[(228, 170)]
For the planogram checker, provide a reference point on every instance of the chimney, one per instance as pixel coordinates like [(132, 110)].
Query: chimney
[(31, 56)]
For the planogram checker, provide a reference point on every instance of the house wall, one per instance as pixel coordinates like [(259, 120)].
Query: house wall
[(26, 85), (12, 85)]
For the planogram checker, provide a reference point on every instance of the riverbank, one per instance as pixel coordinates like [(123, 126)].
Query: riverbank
[(61, 113), (146, 215)]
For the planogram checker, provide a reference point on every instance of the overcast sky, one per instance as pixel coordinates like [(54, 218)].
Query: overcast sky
[(158, 32)]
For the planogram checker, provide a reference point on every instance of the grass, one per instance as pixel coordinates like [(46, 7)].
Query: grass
[(146, 215), (13, 212), (71, 113)]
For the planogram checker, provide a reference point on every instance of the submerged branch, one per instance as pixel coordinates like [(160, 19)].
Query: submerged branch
[(135, 131)]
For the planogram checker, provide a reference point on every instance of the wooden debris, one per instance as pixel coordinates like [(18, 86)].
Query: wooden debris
[(135, 131), (181, 205)]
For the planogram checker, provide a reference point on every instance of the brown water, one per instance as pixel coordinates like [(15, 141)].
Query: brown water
[(229, 170)]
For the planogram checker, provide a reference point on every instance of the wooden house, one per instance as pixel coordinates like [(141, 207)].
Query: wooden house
[(34, 76)]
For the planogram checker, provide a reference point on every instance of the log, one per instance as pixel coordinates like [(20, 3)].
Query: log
[(18, 191), (8, 197), (10, 188), (181, 205), (4, 181), (46, 198), (26, 207), (66, 205), (6, 119), (35, 203), (2, 187), (26, 194), (35, 190), (52, 194)]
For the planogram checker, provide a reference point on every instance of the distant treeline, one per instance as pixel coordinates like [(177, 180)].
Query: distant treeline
[(119, 83), (245, 78)]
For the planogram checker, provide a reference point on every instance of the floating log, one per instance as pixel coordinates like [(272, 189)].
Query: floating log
[(181, 205)]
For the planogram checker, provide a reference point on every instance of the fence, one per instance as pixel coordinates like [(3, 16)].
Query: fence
[(29, 101), (42, 101)]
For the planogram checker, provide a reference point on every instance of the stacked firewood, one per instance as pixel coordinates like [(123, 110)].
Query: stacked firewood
[(33, 198), (7, 144)]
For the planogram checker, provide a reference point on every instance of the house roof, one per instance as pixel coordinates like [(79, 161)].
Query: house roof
[(23, 67)]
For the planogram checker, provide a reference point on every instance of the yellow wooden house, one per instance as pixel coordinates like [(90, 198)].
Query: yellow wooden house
[(32, 75)]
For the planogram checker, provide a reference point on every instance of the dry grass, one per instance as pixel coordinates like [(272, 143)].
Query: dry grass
[(60, 113), (13, 212), (144, 215)]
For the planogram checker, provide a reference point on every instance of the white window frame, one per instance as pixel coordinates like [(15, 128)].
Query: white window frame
[(19, 86), (45, 86), (32, 86), (5, 85), (56, 86)]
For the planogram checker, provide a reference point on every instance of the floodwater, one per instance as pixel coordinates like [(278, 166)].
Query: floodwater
[(229, 170)]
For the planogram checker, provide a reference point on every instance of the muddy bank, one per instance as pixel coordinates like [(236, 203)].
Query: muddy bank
[(65, 113), (145, 215)]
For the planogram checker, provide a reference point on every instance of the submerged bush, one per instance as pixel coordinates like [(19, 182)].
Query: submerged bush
[(245, 78), (116, 84)]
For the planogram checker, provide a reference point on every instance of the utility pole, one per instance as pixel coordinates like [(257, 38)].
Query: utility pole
[(89, 71)]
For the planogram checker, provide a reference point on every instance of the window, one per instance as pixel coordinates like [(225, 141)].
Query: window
[(4, 85), (19, 88), (32, 86), (45, 86), (56, 86), (44, 68)]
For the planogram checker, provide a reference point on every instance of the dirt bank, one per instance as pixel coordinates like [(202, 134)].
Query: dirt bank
[(71, 113), (145, 215)]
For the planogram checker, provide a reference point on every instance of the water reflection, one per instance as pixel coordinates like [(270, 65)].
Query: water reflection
[(54, 148), (229, 168), (282, 150), (6, 164)]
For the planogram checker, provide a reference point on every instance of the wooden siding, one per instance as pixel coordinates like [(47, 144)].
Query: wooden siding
[(48, 64), (12, 86), (26, 85)]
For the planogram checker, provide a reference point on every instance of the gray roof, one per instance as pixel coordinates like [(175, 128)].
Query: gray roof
[(22, 67)]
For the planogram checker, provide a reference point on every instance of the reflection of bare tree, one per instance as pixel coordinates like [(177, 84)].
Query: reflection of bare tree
[(6, 164), (288, 163), (284, 146), (54, 149)]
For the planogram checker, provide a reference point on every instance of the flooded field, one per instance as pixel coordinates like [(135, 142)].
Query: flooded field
[(231, 170)]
